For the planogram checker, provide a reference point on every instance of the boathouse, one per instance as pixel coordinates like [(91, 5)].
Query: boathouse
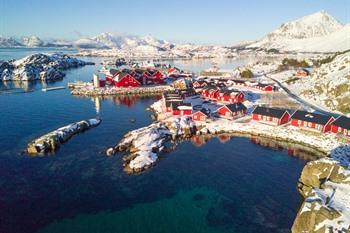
[(341, 125), (310, 120), (232, 110), (271, 115)]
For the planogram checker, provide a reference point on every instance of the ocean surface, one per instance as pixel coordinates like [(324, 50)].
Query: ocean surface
[(226, 184)]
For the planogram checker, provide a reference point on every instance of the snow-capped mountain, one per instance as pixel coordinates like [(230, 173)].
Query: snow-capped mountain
[(317, 30), (9, 42), (123, 41), (32, 41)]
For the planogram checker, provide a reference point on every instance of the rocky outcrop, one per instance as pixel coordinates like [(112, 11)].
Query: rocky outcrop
[(39, 67), (51, 141), (144, 145), (325, 186)]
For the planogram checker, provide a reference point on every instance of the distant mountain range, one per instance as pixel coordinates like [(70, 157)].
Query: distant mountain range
[(318, 32)]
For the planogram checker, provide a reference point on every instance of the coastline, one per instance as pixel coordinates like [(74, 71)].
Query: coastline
[(175, 127)]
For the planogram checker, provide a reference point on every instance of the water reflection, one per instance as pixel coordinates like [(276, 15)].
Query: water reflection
[(295, 150), (17, 86), (124, 100)]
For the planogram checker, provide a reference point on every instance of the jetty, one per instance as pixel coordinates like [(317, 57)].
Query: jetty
[(51, 141), (88, 89)]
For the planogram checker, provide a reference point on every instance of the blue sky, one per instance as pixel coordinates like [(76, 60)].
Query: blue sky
[(208, 22)]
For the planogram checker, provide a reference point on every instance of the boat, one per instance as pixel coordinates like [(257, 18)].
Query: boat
[(53, 88)]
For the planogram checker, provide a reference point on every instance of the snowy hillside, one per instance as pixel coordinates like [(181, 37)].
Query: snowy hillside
[(318, 32), (329, 85)]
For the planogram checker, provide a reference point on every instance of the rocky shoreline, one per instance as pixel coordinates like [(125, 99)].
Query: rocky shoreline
[(325, 187), (51, 141), (87, 89), (183, 127), (39, 67)]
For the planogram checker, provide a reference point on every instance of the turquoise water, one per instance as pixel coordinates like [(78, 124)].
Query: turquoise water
[(233, 187)]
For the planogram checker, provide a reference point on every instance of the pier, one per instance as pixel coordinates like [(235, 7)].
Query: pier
[(87, 89)]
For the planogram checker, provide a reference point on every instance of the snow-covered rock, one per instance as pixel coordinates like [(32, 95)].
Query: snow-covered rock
[(38, 66), (51, 141), (325, 185), (145, 144)]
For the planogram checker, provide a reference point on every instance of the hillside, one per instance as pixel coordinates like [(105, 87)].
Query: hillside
[(329, 85)]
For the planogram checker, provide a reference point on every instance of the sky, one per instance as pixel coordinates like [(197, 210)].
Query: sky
[(221, 22)]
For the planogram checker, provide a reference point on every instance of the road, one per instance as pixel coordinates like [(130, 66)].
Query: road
[(300, 100)]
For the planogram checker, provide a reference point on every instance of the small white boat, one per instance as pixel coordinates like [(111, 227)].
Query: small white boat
[(53, 88)]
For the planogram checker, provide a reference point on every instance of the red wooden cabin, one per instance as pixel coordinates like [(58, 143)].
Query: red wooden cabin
[(158, 77), (213, 94), (310, 120), (185, 109), (271, 115), (341, 125), (126, 80), (231, 96), (264, 87), (201, 115), (232, 110)]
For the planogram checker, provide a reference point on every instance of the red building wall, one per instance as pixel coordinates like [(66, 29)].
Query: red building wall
[(199, 116), (186, 112), (285, 118), (127, 81)]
